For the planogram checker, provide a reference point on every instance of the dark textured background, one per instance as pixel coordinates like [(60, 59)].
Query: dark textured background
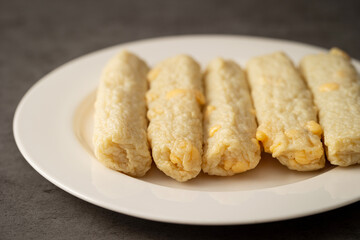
[(38, 36)]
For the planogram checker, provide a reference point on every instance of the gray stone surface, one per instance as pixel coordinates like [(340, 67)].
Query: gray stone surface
[(38, 36)]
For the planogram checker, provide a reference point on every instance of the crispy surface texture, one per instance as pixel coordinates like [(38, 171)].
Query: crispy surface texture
[(174, 110), (120, 140), (287, 118), (229, 122), (335, 85)]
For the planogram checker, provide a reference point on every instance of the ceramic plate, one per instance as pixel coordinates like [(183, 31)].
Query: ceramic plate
[(53, 128)]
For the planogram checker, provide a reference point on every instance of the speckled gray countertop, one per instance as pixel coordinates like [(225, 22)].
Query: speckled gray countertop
[(37, 36)]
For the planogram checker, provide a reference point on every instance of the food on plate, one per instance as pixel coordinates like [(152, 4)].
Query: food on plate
[(175, 119), (229, 121), (335, 85), (285, 112), (120, 140), (287, 118)]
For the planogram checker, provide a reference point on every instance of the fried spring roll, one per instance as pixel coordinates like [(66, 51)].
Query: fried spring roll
[(120, 140), (287, 117), (229, 123), (175, 128), (335, 85)]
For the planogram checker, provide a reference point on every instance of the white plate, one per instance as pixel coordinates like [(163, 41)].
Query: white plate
[(52, 128)]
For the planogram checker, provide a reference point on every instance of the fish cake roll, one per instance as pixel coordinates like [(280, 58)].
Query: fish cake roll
[(286, 115), (229, 123), (174, 110), (120, 140), (335, 85)]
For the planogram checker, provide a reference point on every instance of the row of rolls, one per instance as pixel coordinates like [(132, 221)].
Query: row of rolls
[(218, 121)]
